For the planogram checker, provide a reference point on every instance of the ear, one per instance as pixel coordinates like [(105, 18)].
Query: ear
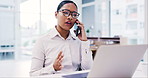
[(56, 14)]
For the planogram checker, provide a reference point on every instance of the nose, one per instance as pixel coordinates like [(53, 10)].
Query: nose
[(70, 17)]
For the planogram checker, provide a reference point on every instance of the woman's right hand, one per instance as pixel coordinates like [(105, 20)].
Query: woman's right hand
[(82, 36), (57, 64)]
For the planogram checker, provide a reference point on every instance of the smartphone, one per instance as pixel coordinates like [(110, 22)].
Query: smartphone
[(77, 29)]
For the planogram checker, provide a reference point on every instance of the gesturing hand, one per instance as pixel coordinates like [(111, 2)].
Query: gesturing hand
[(57, 64)]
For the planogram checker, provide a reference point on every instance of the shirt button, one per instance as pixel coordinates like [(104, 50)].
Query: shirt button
[(86, 51)]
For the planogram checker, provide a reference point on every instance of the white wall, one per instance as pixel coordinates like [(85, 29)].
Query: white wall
[(6, 22), (79, 4), (146, 29), (17, 30), (146, 21)]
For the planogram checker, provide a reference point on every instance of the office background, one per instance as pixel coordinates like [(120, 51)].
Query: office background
[(23, 21)]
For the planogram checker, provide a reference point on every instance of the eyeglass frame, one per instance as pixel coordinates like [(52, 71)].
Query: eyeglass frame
[(70, 13)]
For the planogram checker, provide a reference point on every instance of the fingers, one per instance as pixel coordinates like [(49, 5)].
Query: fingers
[(80, 24), (82, 36), (58, 62), (59, 54), (77, 21), (60, 57), (60, 67)]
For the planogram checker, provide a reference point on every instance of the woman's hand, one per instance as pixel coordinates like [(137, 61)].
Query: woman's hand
[(82, 36), (57, 64)]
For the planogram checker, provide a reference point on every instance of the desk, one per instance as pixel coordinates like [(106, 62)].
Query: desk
[(93, 49), (139, 73), (95, 42)]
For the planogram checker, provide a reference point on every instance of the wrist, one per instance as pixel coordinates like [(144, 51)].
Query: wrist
[(84, 40), (54, 67)]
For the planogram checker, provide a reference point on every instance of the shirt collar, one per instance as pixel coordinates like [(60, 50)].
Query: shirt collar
[(53, 33)]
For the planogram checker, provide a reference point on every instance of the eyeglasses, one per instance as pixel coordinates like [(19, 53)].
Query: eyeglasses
[(67, 12)]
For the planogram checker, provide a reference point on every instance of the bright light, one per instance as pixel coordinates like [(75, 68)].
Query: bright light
[(30, 13)]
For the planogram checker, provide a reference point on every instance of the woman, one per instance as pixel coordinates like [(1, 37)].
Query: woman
[(59, 51)]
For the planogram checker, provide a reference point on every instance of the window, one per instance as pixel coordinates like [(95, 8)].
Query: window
[(7, 29), (88, 13), (127, 19), (36, 18), (87, 1)]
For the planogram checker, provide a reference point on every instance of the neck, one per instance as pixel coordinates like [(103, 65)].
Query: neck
[(64, 33)]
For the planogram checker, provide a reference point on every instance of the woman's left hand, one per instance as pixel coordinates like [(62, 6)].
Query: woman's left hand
[(82, 36)]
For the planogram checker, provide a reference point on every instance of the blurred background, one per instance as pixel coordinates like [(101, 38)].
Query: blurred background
[(23, 21)]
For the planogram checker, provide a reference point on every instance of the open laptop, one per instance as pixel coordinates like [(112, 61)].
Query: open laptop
[(113, 61)]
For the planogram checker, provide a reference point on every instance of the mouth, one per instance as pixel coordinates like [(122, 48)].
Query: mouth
[(68, 23)]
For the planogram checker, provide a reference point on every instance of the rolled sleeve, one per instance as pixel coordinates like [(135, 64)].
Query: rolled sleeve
[(86, 60), (38, 59)]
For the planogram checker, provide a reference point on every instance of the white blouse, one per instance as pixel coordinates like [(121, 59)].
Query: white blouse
[(76, 54)]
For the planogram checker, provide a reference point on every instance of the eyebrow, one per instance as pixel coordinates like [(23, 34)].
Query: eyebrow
[(69, 10)]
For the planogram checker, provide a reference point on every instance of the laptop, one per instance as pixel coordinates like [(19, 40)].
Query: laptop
[(113, 61)]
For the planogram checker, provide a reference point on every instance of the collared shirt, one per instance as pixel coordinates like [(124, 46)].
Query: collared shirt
[(76, 54)]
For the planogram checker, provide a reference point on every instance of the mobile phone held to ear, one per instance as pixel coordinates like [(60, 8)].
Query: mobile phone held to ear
[(77, 29)]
